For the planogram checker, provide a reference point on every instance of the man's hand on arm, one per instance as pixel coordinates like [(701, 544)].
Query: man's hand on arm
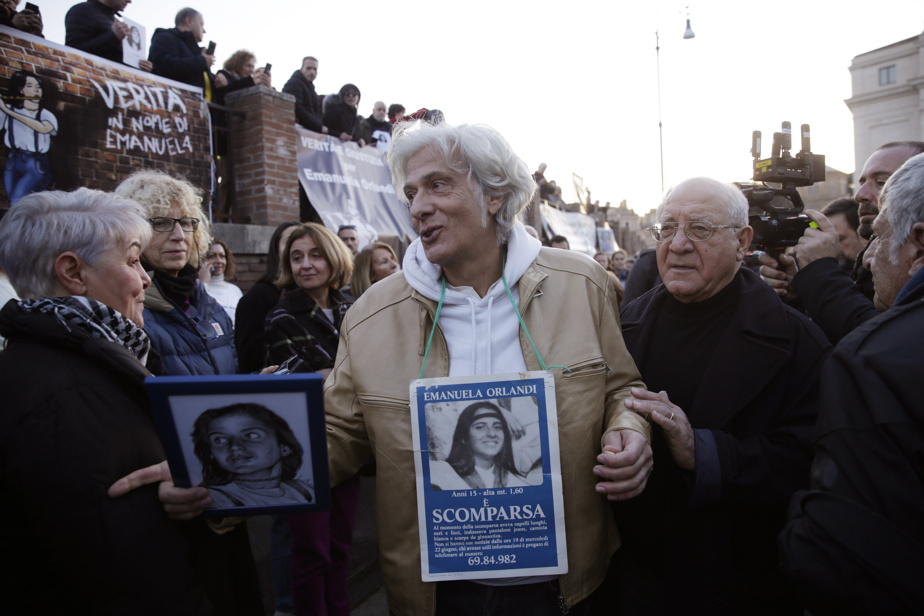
[(624, 464), (673, 421)]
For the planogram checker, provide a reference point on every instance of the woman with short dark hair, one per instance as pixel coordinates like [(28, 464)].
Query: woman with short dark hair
[(340, 114)]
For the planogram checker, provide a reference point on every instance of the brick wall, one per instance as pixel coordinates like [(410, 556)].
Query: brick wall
[(112, 119), (263, 151)]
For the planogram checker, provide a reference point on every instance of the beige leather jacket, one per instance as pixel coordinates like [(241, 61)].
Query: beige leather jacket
[(565, 305)]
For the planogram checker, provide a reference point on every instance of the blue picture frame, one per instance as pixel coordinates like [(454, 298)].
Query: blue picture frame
[(222, 431)]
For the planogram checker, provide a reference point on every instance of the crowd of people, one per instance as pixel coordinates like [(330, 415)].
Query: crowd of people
[(737, 453), (176, 53), (734, 439)]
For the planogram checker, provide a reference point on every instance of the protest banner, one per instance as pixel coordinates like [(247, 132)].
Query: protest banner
[(580, 229), (349, 185), (489, 491)]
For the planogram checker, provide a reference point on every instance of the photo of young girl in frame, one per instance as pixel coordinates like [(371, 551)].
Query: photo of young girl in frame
[(249, 457)]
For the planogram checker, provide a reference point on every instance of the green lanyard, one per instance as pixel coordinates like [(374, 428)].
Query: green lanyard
[(439, 308)]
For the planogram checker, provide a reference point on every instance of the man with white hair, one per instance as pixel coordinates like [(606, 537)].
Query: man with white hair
[(499, 302), (733, 375), (855, 543)]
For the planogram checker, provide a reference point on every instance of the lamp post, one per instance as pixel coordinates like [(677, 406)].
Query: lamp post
[(688, 34)]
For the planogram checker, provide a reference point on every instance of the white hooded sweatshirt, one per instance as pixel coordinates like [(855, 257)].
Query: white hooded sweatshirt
[(482, 332)]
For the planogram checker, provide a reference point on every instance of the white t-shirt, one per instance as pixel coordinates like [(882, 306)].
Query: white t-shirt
[(23, 136)]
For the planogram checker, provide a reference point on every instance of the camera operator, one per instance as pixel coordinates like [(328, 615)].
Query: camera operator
[(834, 299)]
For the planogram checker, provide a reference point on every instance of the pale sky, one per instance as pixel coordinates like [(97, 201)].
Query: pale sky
[(573, 83)]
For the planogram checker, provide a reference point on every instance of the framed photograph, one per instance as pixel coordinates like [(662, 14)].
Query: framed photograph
[(257, 442)]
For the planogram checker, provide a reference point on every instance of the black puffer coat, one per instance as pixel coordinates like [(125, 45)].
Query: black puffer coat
[(75, 419)]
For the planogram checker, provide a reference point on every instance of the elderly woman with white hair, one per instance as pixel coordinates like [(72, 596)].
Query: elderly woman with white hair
[(75, 418), (188, 328)]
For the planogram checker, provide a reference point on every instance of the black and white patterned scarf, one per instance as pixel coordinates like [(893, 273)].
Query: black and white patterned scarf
[(95, 318)]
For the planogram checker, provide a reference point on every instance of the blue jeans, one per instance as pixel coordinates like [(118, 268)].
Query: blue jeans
[(463, 598), (26, 173)]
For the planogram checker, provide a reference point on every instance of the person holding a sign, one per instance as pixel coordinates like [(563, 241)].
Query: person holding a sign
[(490, 300), (92, 27)]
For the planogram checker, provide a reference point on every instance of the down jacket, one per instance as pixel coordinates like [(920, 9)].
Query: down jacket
[(176, 55), (565, 305), (88, 27), (174, 336)]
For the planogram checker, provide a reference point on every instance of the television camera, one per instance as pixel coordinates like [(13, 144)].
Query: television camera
[(775, 206)]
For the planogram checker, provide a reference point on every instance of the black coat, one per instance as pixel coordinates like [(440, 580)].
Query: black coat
[(643, 277), (832, 299), (249, 322), (176, 55), (75, 419), (855, 542), (307, 101), (758, 397), (341, 118), (298, 327), (88, 27)]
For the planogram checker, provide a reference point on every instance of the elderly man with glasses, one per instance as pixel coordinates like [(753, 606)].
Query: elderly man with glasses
[(736, 374)]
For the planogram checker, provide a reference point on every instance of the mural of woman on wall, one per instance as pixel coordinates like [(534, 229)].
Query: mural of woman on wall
[(28, 130)]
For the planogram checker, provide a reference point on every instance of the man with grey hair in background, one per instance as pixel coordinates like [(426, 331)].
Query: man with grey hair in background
[(471, 276), (855, 543), (733, 375)]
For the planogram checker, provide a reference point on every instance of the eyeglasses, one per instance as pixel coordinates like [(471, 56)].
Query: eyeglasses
[(206, 330), (164, 224), (695, 230), (351, 94)]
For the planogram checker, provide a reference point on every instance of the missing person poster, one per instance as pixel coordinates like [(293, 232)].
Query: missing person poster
[(489, 493), (134, 46)]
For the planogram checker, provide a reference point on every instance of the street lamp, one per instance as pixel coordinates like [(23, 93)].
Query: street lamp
[(688, 34)]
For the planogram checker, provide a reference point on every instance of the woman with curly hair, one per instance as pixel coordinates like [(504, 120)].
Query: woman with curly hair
[(188, 328)]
